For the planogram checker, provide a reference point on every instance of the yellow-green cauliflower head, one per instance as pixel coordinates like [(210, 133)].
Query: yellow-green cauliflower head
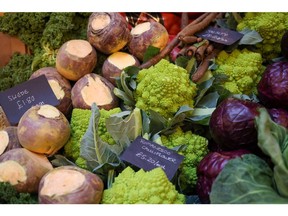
[(150, 187), (243, 69), (164, 88)]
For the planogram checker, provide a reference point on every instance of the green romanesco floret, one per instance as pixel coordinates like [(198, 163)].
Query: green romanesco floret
[(79, 124), (150, 187), (271, 26), (195, 147), (164, 88), (243, 69)]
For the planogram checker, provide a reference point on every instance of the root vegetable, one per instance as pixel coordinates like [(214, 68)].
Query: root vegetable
[(9, 139), (60, 86), (70, 185), (76, 58), (147, 34), (43, 129), (3, 119), (93, 88), (108, 32), (115, 63), (23, 169)]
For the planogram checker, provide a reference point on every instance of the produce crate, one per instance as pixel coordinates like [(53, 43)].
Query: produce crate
[(10, 45)]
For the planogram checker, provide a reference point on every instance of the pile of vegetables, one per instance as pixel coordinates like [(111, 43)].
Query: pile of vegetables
[(222, 107)]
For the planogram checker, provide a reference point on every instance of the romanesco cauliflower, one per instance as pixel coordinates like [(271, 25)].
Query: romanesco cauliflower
[(243, 69), (271, 26), (196, 147), (164, 88), (79, 124), (150, 187)]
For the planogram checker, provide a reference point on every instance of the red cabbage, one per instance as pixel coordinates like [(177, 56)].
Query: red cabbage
[(232, 124)]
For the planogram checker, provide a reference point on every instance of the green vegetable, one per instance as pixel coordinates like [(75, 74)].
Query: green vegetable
[(100, 156), (253, 180), (243, 69), (150, 187), (18, 70), (273, 141), (79, 124), (245, 180), (44, 33), (193, 147), (9, 195), (164, 88), (271, 26)]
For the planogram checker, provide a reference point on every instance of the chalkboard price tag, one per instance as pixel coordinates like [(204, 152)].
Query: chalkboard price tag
[(18, 99), (220, 35), (148, 155)]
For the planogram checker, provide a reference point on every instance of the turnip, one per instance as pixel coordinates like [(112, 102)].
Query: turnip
[(76, 58), (147, 34), (70, 185), (3, 119), (23, 169), (93, 88), (9, 139), (108, 32), (43, 129), (115, 63), (60, 86)]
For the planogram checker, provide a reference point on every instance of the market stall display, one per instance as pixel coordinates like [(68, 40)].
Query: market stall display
[(144, 108)]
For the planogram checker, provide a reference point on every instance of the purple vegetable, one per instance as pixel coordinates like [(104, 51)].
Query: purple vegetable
[(273, 86), (280, 116), (209, 168), (232, 124)]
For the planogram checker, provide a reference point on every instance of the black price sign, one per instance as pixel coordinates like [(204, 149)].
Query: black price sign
[(149, 155), (17, 100), (220, 35)]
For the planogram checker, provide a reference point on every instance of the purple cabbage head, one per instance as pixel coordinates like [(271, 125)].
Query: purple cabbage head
[(280, 116), (273, 86), (209, 168), (232, 124)]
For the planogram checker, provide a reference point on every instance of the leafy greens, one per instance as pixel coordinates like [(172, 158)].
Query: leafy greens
[(250, 179)]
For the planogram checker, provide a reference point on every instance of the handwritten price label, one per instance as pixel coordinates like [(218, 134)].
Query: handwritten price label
[(149, 155), (17, 100), (220, 35)]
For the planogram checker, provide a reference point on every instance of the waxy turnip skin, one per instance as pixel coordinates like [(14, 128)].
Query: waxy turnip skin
[(93, 88), (108, 32), (147, 34), (115, 63), (76, 58), (23, 169), (43, 129), (70, 185), (9, 139), (60, 86)]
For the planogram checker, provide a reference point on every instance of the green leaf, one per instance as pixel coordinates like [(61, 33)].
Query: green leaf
[(251, 37), (208, 101), (182, 61), (191, 65), (125, 129), (203, 87), (245, 180), (60, 160), (96, 152), (273, 141), (125, 87), (150, 53)]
